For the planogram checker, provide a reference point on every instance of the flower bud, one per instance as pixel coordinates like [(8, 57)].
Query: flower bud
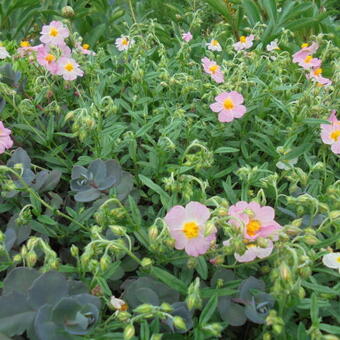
[(123, 316), (310, 239), (17, 258), (209, 228), (117, 230), (219, 259), (67, 12), (165, 307), (262, 242), (31, 258), (297, 223), (179, 323), (104, 263), (74, 251), (129, 332), (305, 272), (334, 215), (285, 272), (153, 232), (144, 308), (214, 329), (221, 211), (192, 263), (146, 262)]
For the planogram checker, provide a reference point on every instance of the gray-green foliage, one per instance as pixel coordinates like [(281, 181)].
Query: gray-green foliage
[(98, 178), (47, 306)]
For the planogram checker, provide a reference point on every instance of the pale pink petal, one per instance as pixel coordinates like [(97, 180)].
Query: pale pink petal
[(326, 134), (218, 77), (222, 96), (248, 256), (264, 252), (197, 246), (236, 97), (216, 107), (332, 118), (197, 212), (336, 147), (239, 111), (175, 217), (225, 116), (265, 215)]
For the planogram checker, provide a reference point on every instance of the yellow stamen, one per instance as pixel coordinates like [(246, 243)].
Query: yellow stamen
[(308, 59), (318, 71), (338, 259), (214, 42), (1, 44), (191, 229), (250, 245), (86, 46), (228, 104), (69, 67), (253, 227), (49, 58), (335, 135), (304, 45), (213, 69), (25, 43), (243, 39), (125, 41), (124, 307), (53, 32)]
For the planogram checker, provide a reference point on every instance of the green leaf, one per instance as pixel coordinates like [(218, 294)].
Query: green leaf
[(301, 332), (270, 6), (202, 268), (314, 310), (169, 279), (208, 310), (252, 11), (330, 328), (46, 220), (226, 149)]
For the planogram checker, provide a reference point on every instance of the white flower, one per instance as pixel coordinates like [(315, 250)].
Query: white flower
[(332, 260), (118, 304), (124, 43), (3, 53), (214, 45), (287, 164), (272, 46)]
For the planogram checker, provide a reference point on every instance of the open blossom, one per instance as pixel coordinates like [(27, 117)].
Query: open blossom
[(316, 75), (124, 43), (68, 68), (244, 43), (54, 34), (187, 36), (118, 304), (5, 139), (305, 51), (47, 59), (309, 62), (213, 69), (253, 251), (272, 46), (330, 133), (188, 227), (27, 48), (332, 260), (229, 106), (3, 53), (254, 221), (84, 49), (214, 45)]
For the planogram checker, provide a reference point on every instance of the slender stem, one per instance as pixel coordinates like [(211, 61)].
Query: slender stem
[(132, 12)]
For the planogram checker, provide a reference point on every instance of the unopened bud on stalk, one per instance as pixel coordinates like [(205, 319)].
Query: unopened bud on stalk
[(214, 328), (305, 272), (165, 307), (334, 215), (179, 323), (117, 230), (285, 272), (146, 262), (221, 211), (210, 228), (262, 242), (129, 332), (310, 240), (74, 251), (144, 308), (153, 232), (31, 258), (67, 12), (104, 262)]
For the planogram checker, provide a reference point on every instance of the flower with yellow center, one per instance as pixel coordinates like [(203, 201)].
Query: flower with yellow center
[(125, 42), (317, 71), (25, 43), (191, 229), (69, 67), (214, 42), (308, 59), (50, 58), (332, 260), (228, 104), (253, 227), (213, 69), (304, 45), (243, 39), (335, 135), (53, 32), (86, 46)]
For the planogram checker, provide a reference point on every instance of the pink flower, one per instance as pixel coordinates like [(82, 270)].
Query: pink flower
[(5, 139), (84, 49), (316, 75), (187, 227), (253, 251), (214, 45), (187, 36), (124, 43), (330, 133), (54, 34), (244, 43), (46, 59), (26, 48), (309, 62), (255, 221), (213, 69), (3, 53), (305, 51), (228, 105), (68, 68), (272, 46)]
